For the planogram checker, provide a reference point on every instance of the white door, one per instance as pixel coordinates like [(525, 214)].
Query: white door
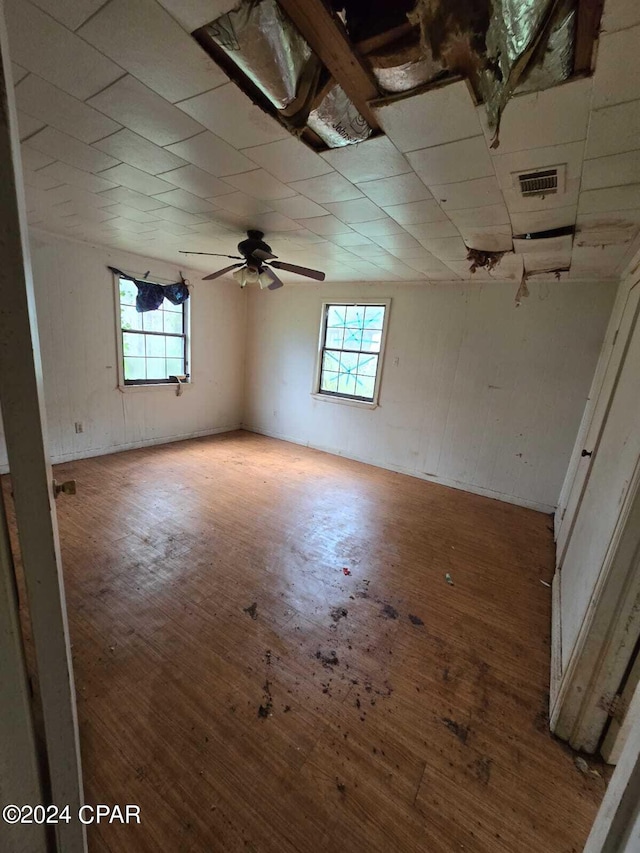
[(21, 404), (623, 320)]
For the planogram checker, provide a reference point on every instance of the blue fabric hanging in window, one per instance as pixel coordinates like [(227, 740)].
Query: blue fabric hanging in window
[(150, 295)]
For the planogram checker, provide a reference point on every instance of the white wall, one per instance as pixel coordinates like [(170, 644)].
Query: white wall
[(76, 322), (476, 393)]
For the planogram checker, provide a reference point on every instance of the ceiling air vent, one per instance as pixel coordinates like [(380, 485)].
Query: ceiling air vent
[(538, 183)]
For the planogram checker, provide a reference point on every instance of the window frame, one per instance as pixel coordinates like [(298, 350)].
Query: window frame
[(345, 399), (141, 384)]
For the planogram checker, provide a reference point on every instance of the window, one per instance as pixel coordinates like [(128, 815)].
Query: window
[(352, 341), (154, 343)]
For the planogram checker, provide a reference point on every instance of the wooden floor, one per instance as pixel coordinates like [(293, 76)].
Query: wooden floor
[(269, 657)]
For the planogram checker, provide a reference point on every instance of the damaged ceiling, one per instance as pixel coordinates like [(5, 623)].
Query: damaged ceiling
[(426, 131)]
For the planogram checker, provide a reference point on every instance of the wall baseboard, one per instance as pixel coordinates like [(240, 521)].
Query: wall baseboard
[(453, 484), (131, 445)]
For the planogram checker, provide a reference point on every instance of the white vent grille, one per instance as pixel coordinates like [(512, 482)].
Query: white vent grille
[(538, 183)]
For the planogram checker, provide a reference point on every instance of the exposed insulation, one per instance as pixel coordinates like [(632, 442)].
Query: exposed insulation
[(337, 121)]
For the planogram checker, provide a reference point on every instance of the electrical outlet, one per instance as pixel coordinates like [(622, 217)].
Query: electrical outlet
[(79, 427)]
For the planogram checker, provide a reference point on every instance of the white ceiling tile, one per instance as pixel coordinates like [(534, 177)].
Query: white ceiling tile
[(131, 198), (325, 225), (32, 159), (241, 203), (41, 99), (39, 180), (42, 45), (134, 105), (135, 179), (65, 193), (612, 198), (368, 161), (356, 210), (493, 214), (433, 230), (455, 161), (232, 116), (590, 259), (132, 213), (614, 227), (396, 241), (260, 184), (196, 181), (304, 237), (27, 125), (144, 39), (416, 212), (477, 193), (431, 266), (447, 248), (87, 212), (130, 226), (269, 222), (415, 253), (614, 81), (611, 171), (298, 207), (543, 220), (491, 238), (327, 188), (173, 228), (192, 14), (508, 166), (18, 73), (66, 174), (186, 201), (289, 160), (71, 13), (401, 189), (379, 227), (59, 146), (519, 204), (212, 154), (353, 239), (544, 245), (546, 261), (541, 119), (620, 14), (438, 116), (614, 130), (180, 217), (139, 152)]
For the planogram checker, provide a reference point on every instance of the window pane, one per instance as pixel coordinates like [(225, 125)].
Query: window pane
[(367, 365), (175, 367), (374, 316), (129, 318), (371, 341), (134, 368), (157, 368), (334, 338), (365, 386), (352, 339), (128, 292), (329, 381), (355, 317), (331, 361), (133, 344), (346, 384), (348, 362), (173, 321), (155, 346), (175, 347), (335, 316), (152, 321)]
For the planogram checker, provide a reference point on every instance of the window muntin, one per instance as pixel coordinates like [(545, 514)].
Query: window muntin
[(154, 343), (351, 350)]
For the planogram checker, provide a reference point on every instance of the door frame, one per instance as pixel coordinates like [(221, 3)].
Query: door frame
[(22, 406)]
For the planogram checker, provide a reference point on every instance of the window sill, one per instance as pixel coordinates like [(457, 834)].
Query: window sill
[(360, 404), (126, 389)]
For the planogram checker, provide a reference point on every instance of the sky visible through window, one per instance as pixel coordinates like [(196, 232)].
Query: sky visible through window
[(153, 343), (351, 350)]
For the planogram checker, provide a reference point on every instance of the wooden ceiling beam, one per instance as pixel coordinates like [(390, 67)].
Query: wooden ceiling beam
[(587, 31), (326, 36)]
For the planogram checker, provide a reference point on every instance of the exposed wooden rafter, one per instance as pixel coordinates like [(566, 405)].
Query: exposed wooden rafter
[(327, 38), (587, 30)]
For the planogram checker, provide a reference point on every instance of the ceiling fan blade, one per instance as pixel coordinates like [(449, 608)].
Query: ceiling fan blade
[(276, 283), (262, 255), (221, 272), (212, 254), (281, 265)]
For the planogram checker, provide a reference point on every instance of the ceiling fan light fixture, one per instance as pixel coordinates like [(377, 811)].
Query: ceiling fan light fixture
[(239, 277), (265, 279)]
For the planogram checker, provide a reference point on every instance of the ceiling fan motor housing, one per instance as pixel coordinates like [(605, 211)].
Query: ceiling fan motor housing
[(254, 241)]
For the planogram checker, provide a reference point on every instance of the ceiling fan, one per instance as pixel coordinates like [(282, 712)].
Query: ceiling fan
[(257, 264)]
